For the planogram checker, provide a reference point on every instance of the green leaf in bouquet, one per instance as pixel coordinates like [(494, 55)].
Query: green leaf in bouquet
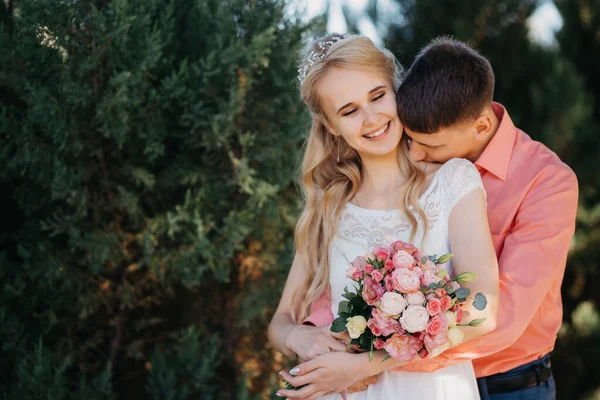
[(462, 293), (338, 325), (445, 258), (387, 357), (423, 260), (449, 289), (432, 286), (480, 301), (344, 307)]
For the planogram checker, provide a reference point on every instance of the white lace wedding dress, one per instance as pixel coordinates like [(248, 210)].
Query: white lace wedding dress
[(361, 229)]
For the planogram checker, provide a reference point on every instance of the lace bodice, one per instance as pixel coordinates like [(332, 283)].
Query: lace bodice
[(361, 229)]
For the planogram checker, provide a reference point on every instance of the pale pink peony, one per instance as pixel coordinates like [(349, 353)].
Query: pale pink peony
[(359, 262), (416, 298), (406, 280), (430, 266), (377, 276), (402, 347), (372, 291), (446, 302), (437, 325), (434, 306), (402, 259), (414, 319), (431, 342), (430, 277), (392, 304), (383, 324)]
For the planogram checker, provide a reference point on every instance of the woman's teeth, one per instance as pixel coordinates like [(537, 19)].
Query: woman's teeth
[(378, 133)]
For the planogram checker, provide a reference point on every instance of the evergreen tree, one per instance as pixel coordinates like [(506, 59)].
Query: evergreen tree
[(147, 157)]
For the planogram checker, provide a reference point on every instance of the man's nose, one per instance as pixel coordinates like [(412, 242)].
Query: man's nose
[(416, 152)]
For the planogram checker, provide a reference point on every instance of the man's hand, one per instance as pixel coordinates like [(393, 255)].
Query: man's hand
[(362, 385), (309, 342)]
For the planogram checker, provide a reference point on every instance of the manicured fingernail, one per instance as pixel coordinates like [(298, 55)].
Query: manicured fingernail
[(294, 371), (278, 394)]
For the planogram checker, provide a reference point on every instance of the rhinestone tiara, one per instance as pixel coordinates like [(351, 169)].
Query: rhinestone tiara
[(317, 55)]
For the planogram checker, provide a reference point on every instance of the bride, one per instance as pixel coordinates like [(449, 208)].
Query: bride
[(361, 189)]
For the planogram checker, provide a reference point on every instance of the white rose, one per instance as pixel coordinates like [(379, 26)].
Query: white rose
[(455, 336), (415, 298), (392, 304), (356, 326), (451, 317), (414, 319)]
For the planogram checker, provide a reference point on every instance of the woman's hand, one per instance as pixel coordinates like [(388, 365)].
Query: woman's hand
[(309, 342), (328, 373)]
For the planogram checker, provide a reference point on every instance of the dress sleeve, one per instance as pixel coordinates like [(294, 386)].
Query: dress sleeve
[(460, 177)]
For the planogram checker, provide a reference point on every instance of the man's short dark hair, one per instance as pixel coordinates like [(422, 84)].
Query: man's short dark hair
[(448, 82)]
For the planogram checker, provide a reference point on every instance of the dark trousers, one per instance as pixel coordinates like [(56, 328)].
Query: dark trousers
[(493, 387)]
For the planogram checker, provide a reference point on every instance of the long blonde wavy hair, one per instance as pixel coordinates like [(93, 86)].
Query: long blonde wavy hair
[(327, 185)]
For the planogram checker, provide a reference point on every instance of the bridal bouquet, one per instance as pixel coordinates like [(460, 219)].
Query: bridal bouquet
[(405, 303)]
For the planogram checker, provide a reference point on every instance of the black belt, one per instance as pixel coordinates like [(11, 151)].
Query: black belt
[(534, 377)]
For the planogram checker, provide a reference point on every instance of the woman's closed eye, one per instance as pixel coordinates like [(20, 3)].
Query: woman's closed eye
[(376, 98)]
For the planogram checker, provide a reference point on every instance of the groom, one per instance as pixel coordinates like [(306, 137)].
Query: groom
[(445, 103)]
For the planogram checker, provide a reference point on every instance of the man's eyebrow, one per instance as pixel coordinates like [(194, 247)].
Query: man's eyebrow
[(370, 91)]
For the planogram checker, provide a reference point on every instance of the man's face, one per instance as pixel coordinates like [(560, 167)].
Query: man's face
[(455, 141)]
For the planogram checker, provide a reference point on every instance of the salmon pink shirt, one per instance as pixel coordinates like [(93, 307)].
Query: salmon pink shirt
[(531, 203)]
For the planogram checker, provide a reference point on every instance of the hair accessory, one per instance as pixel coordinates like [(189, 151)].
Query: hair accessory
[(315, 56)]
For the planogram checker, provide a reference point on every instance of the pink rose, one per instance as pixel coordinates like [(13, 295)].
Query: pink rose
[(446, 302), (389, 265), (379, 322), (430, 277), (355, 273), (403, 260), (374, 328), (369, 268), (382, 255), (405, 280), (440, 292), (437, 325), (377, 276), (389, 285), (372, 291), (379, 343), (459, 315), (402, 347), (434, 306)]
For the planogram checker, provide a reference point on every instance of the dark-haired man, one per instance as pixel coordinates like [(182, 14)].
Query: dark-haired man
[(445, 103)]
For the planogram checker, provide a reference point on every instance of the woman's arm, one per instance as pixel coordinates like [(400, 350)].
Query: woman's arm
[(473, 250), (291, 338)]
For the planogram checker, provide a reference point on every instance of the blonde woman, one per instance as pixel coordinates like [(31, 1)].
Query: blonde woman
[(361, 189)]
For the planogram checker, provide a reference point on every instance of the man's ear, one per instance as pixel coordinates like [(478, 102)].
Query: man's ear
[(483, 127)]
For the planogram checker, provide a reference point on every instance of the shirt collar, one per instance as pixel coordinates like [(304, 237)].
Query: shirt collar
[(496, 156)]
